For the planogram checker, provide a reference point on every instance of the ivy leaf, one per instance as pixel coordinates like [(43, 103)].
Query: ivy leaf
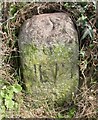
[(7, 97), (17, 88), (10, 94), (85, 34), (82, 20), (60, 116), (88, 31), (9, 103), (2, 93), (13, 9)]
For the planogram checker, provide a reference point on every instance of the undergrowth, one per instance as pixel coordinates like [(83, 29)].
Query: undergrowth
[(84, 104)]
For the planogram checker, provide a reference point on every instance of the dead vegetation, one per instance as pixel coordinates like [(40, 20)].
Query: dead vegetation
[(84, 103)]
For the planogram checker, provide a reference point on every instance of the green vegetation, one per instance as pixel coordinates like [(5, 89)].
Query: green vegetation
[(84, 103), (7, 101)]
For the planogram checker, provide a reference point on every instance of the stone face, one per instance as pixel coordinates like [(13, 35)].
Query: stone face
[(49, 55), (1, 53)]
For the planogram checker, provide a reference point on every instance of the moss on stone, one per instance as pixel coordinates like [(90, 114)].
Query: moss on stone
[(50, 73)]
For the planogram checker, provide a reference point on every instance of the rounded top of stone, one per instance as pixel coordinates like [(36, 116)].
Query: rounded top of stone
[(48, 29)]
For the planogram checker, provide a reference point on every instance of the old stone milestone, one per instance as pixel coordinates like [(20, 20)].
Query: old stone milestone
[(49, 56)]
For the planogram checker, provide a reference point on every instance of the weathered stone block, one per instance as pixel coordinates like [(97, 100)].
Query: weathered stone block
[(49, 56)]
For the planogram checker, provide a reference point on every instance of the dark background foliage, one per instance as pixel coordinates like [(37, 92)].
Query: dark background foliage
[(85, 18)]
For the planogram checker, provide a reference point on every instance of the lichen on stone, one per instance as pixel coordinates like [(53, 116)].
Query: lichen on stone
[(48, 73), (49, 57)]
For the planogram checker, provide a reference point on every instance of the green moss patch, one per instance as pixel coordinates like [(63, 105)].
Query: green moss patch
[(50, 73)]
